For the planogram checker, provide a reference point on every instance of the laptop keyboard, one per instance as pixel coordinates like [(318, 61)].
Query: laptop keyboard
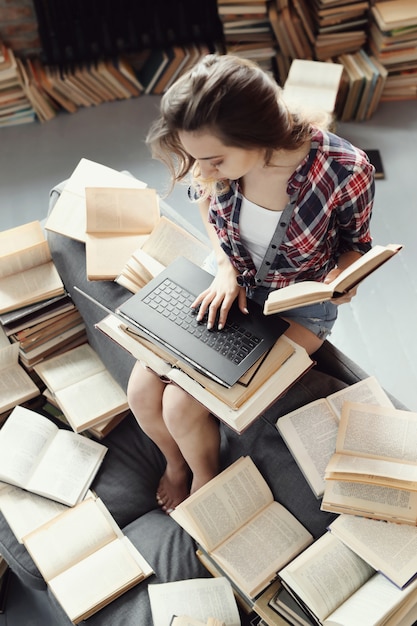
[(174, 303)]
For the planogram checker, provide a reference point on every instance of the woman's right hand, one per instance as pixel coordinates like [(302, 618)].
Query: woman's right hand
[(217, 299)]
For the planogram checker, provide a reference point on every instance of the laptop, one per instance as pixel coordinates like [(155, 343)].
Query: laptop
[(162, 312)]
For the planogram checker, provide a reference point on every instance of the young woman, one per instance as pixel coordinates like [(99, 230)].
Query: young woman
[(284, 200)]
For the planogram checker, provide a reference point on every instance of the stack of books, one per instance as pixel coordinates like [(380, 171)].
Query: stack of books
[(365, 78), (393, 41), (15, 107), (247, 30), (294, 36), (340, 26)]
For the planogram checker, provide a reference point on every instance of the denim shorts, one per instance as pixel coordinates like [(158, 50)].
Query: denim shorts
[(319, 318)]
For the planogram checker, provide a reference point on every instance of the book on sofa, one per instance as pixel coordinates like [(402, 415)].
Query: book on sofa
[(27, 272), (310, 432), (38, 456), (85, 559), (256, 536), (83, 388), (217, 399), (16, 386), (336, 587)]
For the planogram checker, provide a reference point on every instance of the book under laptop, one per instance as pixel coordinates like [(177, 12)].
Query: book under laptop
[(162, 312)]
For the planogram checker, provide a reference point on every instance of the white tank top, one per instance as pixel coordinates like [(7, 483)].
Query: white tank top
[(256, 226)]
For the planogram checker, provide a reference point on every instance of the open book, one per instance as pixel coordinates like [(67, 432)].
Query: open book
[(388, 547), (206, 601), (82, 386), (118, 221), (375, 446), (38, 456), (226, 404), (69, 215), (315, 83), (338, 588), (311, 292), (16, 386), (310, 432), (27, 272), (256, 536), (85, 559), (157, 251)]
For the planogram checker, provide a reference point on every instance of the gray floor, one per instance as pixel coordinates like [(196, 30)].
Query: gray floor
[(377, 329)]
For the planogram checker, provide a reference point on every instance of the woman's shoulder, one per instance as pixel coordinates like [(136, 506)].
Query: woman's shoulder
[(333, 147)]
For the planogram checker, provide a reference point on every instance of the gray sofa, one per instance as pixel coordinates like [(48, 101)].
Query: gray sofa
[(132, 468)]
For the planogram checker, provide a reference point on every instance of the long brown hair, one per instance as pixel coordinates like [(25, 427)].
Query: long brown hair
[(232, 98)]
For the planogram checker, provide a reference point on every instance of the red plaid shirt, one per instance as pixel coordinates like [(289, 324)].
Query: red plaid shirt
[(331, 192)]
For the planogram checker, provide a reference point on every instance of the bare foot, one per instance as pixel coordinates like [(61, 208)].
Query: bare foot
[(200, 481), (173, 488)]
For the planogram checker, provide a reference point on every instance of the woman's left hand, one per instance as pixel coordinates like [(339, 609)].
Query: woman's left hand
[(344, 298)]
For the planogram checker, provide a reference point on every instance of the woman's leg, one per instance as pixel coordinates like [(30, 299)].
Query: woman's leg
[(184, 431), (145, 391), (196, 433)]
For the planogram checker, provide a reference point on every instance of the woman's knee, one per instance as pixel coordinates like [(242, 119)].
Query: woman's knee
[(144, 390), (180, 411)]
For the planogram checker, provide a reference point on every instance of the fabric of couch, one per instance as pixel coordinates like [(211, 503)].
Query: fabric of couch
[(130, 473)]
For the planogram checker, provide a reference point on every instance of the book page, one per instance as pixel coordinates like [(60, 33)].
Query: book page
[(378, 601), (200, 597), (92, 400), (70, 367), (233, 497), (364, 266), (23, 439), (16, 386), (106, 255), (388, 547), (377, 432), (254, 554), (367, 391), (25, 511), (35, 284), (68, 216), (22, 247), (96, 580), (168, 239), (75, 534), (118, 211), (398, 505), (326, 574), (310, 434), (67, 467)]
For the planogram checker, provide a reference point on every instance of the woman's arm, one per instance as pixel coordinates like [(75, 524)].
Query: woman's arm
[(219, 297)]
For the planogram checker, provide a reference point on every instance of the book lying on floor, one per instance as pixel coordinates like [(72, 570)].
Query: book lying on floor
[(310, 432), (388, 547), (83, 388), (159, 249), (336, 587), (38, 456), (201, 598), (27, 271), (311, 292), (216, 398), (257, 535), (117, 223), (375, 446), (68, 216), (16, 386), (85, 559)]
